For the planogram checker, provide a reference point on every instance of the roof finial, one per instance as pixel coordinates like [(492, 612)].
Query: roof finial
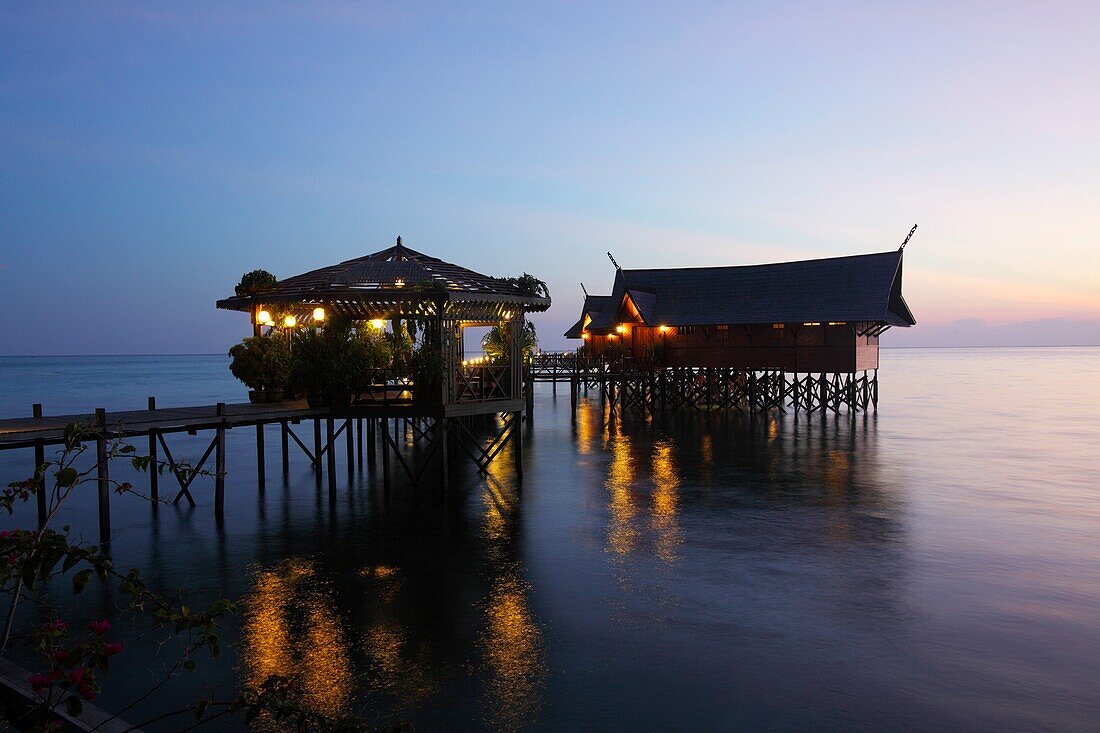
[(398, 251), (613, 261), (584, 289), (908, 237)]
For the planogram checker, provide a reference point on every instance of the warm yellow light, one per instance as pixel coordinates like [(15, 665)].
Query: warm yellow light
[(815, 323), (399, 282), (377, 323), (662, 328), (584, 335), (838, 323), (290, 321), (611, 336), (620, 328), (318, 314), (263, 318)]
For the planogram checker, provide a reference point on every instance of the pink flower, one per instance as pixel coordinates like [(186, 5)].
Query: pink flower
[(77, 676), (40, 682), (99, 627), (113, 648), (60, 655), (5, 534), (55, 627)]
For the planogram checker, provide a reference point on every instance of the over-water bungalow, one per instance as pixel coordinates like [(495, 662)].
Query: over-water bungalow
[(821, 315)]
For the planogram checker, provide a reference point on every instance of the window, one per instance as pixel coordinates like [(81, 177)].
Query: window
[(686, 330)]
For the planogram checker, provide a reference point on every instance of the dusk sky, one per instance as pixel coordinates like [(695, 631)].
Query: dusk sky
[(151, 153)]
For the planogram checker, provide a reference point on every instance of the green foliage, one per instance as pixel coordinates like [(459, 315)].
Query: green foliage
[(255, 282), (497, 343), (428, 371), (529, 286), (262, 362)]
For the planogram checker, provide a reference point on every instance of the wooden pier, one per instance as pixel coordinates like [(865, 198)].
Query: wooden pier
[(645, 385), (444, 430)]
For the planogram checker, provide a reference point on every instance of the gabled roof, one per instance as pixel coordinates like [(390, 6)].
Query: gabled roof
[(858, 288), (594, 307), (392, 275)]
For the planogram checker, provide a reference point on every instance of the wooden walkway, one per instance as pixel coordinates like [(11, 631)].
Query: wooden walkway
[(372, 422)]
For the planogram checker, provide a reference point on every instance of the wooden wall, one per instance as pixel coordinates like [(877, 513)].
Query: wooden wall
[(795, 347)]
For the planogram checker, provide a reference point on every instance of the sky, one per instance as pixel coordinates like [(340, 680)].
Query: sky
[(150, 153)]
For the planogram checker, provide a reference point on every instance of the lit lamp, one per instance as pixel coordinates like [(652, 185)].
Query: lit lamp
[(662, 328), (399, 282), (263, 318), (318, 314), (290, 321), (585, 335), (620, 328), (377, 324)]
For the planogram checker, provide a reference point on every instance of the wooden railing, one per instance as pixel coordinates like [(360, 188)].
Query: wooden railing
[(482, 382)]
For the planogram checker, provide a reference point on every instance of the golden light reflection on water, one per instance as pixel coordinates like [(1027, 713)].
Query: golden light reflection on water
[(291, 630), (621, 532), (666, 483), (512, 641)]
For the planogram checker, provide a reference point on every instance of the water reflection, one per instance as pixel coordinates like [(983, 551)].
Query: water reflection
[(512, 642), (292, 630)]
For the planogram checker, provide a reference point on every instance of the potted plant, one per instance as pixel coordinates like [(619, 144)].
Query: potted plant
[(428, 371), (255, 281), (327, 364), (263, 364)]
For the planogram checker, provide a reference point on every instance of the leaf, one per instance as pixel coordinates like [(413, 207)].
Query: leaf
[(80, 580), (66, 477), (126, 449)]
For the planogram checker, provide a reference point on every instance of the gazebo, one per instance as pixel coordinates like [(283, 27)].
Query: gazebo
[(398, 284)]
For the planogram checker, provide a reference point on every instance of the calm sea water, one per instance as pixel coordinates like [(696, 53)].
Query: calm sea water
[(931, 567)]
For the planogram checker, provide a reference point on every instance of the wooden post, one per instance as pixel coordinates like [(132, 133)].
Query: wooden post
[(154, 474), (386, 453), (317, 450), (331, 441), (103, 476), (349, 440), (573, 387), (285, 440), (372, 441), (444, 453), (261, 467), (219, 462), (529, 392), (517, 444), (39, 459), (874, 391), (359, 441)]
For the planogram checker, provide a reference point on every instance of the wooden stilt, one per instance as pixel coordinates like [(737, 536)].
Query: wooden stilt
[(219, 463), (40, 480), (517, 444), (104, 481), (261, 463), (386, 454), (330, 440), (154, 474), (349, 441), (372, 442), (284, 440), (444, 452), (317, 450), (573, 387), (359, 441)]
